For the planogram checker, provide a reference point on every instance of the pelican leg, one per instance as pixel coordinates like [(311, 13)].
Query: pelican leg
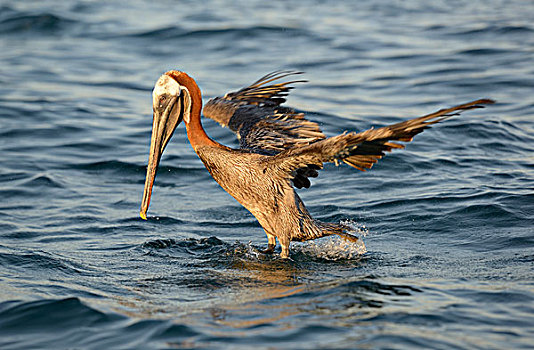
[(284, 242), (270, 245)]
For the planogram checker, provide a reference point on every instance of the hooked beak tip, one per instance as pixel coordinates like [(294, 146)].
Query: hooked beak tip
[(142, 214)]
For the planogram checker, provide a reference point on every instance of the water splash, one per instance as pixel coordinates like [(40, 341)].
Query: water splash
[(335, 247), (328, 248), (247, 251)]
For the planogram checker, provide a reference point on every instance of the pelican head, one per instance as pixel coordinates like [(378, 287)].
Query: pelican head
[(171, 104)]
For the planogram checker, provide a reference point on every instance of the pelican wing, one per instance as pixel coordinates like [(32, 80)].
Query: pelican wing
[(359, 150), (255, 114)]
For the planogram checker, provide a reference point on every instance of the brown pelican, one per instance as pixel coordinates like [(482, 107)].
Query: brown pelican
[(279, 149)]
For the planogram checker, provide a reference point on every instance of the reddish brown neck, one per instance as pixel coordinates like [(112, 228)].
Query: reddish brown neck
[(195, 132)]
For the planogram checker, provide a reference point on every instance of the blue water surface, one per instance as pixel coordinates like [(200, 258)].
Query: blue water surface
[(448, 222)]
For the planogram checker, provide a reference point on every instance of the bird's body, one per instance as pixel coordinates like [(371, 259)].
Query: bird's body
[(279, 150), (270, 197)]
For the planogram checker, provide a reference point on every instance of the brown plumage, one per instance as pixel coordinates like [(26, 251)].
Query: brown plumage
[(279, 149)]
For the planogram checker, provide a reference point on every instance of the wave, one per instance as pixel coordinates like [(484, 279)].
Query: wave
[(495, 29), (123, 167), (53, 321), (174, 32), (44, 23), (40, 261)]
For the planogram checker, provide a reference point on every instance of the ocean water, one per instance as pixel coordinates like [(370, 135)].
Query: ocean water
[(447, 223)]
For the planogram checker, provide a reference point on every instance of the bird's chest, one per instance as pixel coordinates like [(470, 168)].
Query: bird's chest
[(242, 176)]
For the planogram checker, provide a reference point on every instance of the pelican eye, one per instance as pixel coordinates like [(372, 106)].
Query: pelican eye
[(162, 100)]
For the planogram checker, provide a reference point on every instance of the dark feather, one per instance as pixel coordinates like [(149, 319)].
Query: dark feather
[(300, 148), (360, 150), (261, 124)]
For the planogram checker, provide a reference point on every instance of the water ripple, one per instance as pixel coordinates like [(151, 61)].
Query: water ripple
[(448, 252), (13, 22)]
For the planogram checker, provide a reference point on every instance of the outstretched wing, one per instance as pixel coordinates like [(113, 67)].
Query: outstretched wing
[(359, 150), (255, 114)]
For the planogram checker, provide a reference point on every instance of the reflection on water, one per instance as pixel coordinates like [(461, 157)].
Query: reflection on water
[(232, 276)]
